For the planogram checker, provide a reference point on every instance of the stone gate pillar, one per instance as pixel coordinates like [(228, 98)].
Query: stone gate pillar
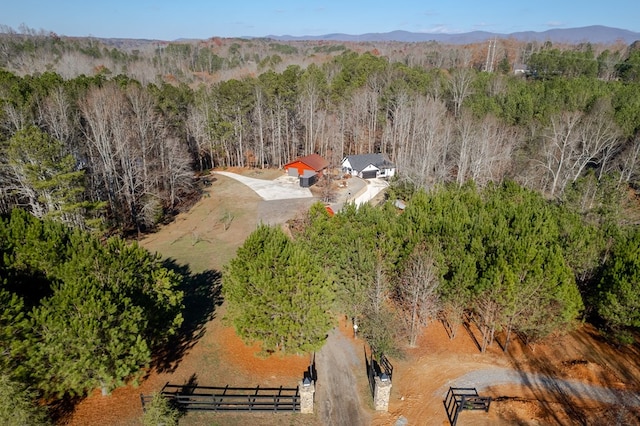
[(307, 390), (381, 392)]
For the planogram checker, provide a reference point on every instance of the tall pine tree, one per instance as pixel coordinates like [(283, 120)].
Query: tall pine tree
[(277, 293)]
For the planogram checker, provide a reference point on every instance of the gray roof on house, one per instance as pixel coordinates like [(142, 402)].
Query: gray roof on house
[(360, 162)]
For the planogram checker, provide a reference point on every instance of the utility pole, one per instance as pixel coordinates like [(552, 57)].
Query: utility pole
[(493, 54), (486, 64)]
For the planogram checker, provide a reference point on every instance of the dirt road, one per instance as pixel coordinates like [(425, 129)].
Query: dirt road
[(338, 391), (492, 377)]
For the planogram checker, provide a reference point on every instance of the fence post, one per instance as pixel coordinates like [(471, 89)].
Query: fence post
[(381, 392), (307, 389)]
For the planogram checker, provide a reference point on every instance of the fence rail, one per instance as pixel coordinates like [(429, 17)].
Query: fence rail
[(386, 366), (214, 398)]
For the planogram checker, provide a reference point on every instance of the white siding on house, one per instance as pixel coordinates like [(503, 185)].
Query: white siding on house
[(356, 165), (386, 173), (348, 168)]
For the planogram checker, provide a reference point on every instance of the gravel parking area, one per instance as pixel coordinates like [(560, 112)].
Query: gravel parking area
[(282, 188)]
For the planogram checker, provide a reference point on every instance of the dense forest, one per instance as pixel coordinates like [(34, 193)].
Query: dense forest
[(521, 192), (78, 312), (122, 154)]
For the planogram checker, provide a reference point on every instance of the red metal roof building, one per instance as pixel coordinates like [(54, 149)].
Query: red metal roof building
[(307, 166)]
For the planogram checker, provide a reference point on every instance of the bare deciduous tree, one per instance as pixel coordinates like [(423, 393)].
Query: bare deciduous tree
[(460, 88), (309, 104), (58, 116), (600, 138), (178, 170), (132, 155), (629, 161), (417, 291), (397, 132), (574, 141), (483, 149), (489, 315), (99, 109), (496, 144), (424, 134), (199, 134), (14, 119), (559, 148), (465, 146)]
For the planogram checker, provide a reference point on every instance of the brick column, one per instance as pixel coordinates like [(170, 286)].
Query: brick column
[(381, 394), (306, 397)]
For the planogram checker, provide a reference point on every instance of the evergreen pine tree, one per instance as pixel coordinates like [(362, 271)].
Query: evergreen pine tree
[(18, 405), (160, 412), (618, 299), (88, 337), (277, 293)]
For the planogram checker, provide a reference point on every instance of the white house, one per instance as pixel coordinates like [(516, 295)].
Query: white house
[(368, 166), (520, 69)]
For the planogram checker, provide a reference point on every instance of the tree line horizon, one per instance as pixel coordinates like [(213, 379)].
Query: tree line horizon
[(125, 153)]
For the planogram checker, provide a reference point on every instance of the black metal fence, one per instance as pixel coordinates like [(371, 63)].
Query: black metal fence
[(145, 399), (371, 371), (381, 366), (459, 399), (386, 366), (212, 398), (193, 397)]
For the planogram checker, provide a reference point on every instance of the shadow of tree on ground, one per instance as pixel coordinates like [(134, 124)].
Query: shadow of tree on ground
[(61, 410), (202, 295), (559, 401)]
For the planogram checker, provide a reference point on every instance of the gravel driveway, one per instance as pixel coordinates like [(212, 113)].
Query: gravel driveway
[(503, 376)]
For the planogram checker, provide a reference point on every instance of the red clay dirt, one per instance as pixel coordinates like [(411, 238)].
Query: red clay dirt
[(227, 360), (219, 357), (417, 378), (422, 378)]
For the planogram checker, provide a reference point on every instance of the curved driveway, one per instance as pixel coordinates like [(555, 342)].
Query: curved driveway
[(373, 188), (501, 376)]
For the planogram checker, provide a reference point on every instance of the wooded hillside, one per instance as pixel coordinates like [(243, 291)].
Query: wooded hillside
[(125, 153), (521, 191)]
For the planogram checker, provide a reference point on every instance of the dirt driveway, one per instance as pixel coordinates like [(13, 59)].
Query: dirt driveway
[(339, 393)]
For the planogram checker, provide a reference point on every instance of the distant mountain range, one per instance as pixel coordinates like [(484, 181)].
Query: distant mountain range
[(592, 34)]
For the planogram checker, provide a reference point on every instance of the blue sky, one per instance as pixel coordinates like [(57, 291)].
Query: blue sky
[(170, 20)]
